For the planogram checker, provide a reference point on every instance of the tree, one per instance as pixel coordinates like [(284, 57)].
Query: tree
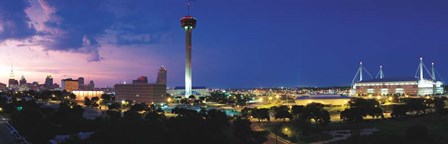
[(131, 115), (359, 107), (416, 105), (95, 101), (261, 114), (352, 115), (218, 96), (245, 112), (87, 102), (72, 96), (296, 110), (154, 116), (115, 106), (399, 111), (316, 112), (139, 107), (282, 112), (245, 135)]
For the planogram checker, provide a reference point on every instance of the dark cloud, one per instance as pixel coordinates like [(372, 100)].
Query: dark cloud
[(77, 26), (138, 21), (14, 22)]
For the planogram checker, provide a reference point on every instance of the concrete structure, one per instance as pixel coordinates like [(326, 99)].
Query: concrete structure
[(412, 86), (196, 91), (141, 93), (81, 94), (69, 84), (188, 23)]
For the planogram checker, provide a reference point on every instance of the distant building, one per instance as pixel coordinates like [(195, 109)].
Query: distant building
[(81, 83), (140, 80), (162, 76), (197, 91), (2, 87), (81, 94), (412, 86), (91, 85), (22, 81), (13, 84), (69, 84), (48, 82), (141, 93)]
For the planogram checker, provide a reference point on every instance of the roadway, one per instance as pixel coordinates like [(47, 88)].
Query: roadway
[(6, 135), (272, 138)]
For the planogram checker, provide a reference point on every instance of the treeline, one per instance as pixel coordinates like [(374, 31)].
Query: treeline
[(140, 124)]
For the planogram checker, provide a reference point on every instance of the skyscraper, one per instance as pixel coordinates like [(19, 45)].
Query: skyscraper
[(22, 80), (12, 82), (48, 82), (162, 76), (91, 85), (81, 81), (188, 24)]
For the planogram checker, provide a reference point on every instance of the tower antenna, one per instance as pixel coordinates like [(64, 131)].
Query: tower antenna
[(188, 7)]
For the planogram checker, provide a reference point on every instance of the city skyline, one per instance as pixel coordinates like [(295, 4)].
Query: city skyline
[(292, 43)]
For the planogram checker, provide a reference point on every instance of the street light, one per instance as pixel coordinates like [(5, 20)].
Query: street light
[(260, 99)]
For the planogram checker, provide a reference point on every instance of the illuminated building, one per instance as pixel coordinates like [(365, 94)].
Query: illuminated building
[(188, 23), (162, 76), (81, 94), (412, 86), (141, 92), (69, 84), (13, 84)]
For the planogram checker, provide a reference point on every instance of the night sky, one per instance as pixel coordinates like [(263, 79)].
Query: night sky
[(236, 44)]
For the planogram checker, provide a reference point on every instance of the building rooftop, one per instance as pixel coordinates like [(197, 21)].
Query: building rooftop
[(195, 87), (392, 79)]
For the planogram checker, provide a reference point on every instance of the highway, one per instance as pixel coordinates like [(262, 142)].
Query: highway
[(6, 137)]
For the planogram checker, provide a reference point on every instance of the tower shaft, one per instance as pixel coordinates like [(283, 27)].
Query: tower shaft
[(188, 74)]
